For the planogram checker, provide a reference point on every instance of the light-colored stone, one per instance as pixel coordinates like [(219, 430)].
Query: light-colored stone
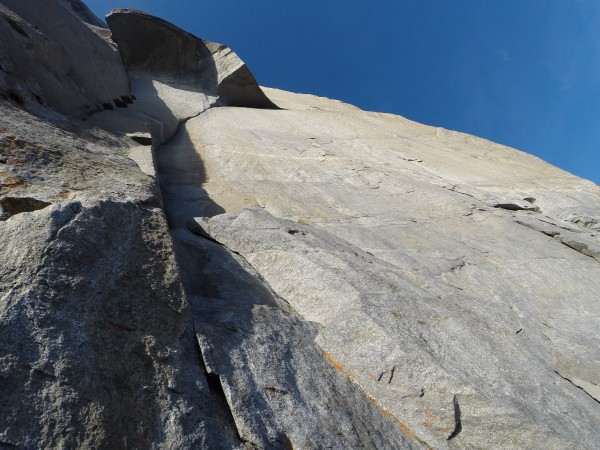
[(406, 244), (173, 76), (200, 269)]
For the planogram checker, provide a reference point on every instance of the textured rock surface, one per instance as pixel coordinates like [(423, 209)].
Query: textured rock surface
[(49, 57), (96, 342), (444, 270), (200, 269), (174, 76)]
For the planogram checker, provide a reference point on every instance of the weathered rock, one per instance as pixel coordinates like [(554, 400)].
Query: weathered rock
[(174, 76), (471, 329), (155, 47), (315, 277), (50, 58), (97, 346)]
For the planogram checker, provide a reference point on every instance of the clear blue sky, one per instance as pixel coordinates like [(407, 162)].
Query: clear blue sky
[(525, 73)]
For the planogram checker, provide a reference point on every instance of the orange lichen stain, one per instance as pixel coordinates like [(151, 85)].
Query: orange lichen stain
[(372, 376), (429, 419), (65, 195), (387, 412), (406, 431), (11, 182), (338, 366)]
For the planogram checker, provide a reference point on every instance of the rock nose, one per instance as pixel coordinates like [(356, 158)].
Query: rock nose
[(158, 48)]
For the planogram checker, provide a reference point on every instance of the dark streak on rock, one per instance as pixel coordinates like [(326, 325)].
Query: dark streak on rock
[(17, 205), (15, 26), (578, 387), (515, 207), (457, 421), (121, 326), (392, 375), (274, 390)]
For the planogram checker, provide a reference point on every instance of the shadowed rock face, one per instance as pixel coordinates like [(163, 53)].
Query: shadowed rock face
[(50, 58), (201, 269), (157, 48), (82, 12), (173, 76)]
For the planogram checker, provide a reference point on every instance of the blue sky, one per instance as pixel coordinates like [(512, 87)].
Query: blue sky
[(525, 73)]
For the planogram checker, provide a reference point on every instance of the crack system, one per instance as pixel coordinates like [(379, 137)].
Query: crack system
[(220, 402)]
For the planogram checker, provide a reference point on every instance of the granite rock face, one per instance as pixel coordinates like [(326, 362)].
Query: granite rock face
[(173, 76), (55, 54), (210, 264), (453, 278)]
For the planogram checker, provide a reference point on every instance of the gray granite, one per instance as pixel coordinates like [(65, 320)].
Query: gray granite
[(198, 268), (52, 59)]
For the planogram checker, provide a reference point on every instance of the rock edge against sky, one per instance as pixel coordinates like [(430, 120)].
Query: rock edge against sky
[(191, 261)]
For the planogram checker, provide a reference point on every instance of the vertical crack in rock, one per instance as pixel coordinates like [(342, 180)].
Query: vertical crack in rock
[(163, 63), (223, 412), (457, 421), (223, 409), (106, 275)]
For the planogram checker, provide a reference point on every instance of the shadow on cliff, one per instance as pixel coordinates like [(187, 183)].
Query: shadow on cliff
[(181, 174), (263, 366), (152, 45), (267, 376)]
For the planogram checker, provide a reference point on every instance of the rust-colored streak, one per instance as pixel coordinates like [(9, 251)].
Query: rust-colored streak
[(406, 431), (8, 183), (338, 365), (429, 419), (386, 412)]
